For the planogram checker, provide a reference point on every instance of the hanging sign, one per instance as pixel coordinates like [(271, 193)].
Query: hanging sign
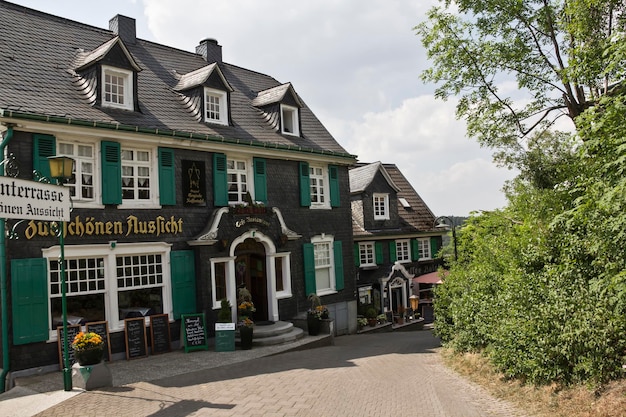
[(31, 200)]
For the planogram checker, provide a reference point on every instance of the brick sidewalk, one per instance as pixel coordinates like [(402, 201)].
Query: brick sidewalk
[(360, 375)]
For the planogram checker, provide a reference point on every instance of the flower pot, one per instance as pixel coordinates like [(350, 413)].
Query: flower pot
[(313, 324), (246, 334), (91, 356), (372, 322)]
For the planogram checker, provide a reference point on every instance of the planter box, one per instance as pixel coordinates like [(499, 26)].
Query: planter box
[(91, 377)]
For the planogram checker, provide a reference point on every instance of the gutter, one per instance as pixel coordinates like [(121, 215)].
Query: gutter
[(6, 363), (167, 133)]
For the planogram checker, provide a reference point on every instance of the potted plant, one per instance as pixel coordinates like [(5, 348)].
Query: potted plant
[(246, 332), (371, 314), (88, 348), (361, 322), (382, 318), (315, 314)]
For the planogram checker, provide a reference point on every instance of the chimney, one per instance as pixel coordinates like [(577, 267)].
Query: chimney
[(210, 50), (124, 27)]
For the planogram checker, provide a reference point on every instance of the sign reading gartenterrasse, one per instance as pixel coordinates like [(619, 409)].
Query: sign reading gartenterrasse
[(24, 199)]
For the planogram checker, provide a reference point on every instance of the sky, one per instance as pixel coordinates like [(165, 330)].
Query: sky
[(357, 65)]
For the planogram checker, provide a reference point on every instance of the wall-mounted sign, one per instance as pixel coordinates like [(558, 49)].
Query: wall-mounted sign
[(89, 226), (194, 183), (24, 199)]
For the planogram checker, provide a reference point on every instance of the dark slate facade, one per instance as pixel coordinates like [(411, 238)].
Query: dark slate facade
[(395, 238), (192, 178)]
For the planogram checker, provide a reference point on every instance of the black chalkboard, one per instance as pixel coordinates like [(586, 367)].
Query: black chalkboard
[(102, 329), (160, 333), (72, 331), (194, 332), (135, 335)]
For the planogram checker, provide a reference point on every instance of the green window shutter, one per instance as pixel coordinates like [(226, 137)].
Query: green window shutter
[(309, 269), (183, 271), (29, 285), (378, 247), (43, 147), (260, 180), (357, 255), (111, 173), (338, 253), (415, 250), (220, 180), (167, 177), (305, 185), (434, 246), (392, 251), (333, 175)]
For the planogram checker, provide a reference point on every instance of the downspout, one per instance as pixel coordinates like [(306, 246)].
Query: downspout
[(6, 363)]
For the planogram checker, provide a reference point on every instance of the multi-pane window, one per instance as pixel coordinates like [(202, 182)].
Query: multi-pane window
[(116, 88), (86, 287), (215, 106), (81, 185), (424, 248), (237, 180), (381, 206), (136, 166), (317, 183), (323, 265), (106, 283), (403, 251), (367, 254)]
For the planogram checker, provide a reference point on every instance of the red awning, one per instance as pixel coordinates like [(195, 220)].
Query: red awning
[(432, 278)]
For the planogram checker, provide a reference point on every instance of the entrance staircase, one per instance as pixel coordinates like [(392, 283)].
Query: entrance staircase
[(275, 333)]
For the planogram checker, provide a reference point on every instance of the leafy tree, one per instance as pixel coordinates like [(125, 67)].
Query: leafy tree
[(554, 50), (540, 286)]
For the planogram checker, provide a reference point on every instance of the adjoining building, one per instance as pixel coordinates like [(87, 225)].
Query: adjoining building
[(193, 177), (395, 239)]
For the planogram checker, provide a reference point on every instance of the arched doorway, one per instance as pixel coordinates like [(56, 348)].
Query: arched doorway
[(250, 272)]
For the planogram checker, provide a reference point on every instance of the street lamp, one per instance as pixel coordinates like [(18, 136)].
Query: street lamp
[(61, 168), (441, 222)]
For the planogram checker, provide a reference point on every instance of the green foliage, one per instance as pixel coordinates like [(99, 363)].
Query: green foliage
[(224, 315)]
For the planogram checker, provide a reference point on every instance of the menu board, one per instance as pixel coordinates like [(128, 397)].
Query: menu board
[(135, 335), (72, 331), (160, 333), (194, 332), (102, 329)]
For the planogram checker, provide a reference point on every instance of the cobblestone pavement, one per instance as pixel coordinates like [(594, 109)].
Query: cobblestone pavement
[(385, 374)]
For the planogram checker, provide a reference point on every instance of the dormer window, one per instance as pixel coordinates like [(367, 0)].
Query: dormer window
[(117, 88), (215, 106), (289, 120), (381, 206)]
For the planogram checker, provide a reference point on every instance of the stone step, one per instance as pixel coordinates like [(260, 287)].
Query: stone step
[(274, 334)]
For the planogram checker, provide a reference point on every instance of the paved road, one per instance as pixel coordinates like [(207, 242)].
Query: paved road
[(385, 374)]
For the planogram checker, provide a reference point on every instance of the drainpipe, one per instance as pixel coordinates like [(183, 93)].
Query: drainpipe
[(3, 278)]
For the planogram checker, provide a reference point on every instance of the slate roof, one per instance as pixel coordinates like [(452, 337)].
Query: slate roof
[(416, 218), (39, 53)]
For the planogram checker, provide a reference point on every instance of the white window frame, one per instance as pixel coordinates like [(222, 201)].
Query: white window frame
[(319, 192), (136, 202), (229, 278), (222, 106), (320, 243), (364, 249), (423, 245), (380, 204), (128, 86), (78, 200), (249, 183), (289, 120), (403, 250), (110, 254), (284, 259)]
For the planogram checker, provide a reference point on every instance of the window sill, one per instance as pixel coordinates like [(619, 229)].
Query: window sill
[(368, 267)]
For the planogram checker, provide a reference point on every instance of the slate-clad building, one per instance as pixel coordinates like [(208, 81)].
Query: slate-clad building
[(192, 177), (395, 239)]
